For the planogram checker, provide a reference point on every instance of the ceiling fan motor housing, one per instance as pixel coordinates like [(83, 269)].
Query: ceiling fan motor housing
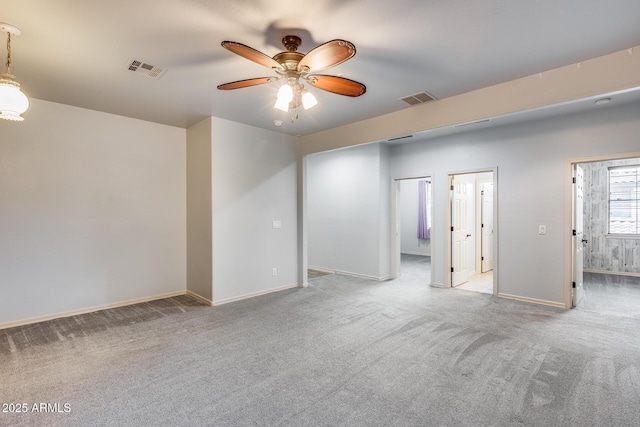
[(288, 60), (291, 43)]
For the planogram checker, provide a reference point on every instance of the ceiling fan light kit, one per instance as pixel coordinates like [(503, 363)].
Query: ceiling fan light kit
[(308, 100), (293, 66), (12, 101)]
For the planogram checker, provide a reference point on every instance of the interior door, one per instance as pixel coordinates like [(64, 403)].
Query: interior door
[(487, 226), (460, 231), (578, 235)]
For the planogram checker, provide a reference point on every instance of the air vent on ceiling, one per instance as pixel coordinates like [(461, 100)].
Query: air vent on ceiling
[(144, 69), (398, 138), (418, 98), (471, 123)]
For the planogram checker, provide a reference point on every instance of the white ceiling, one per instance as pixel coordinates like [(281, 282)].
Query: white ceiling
[(75, 51)]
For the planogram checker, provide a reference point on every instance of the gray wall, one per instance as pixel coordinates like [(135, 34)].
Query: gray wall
[(602, 253), (92, 211), (531, 159), (254, 179), (348, 211), (384, 209), (95, 210), (199, 234)]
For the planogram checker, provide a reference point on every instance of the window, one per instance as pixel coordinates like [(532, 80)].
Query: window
[(624, 196)]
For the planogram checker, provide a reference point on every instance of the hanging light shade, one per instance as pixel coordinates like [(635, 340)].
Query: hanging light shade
[(12, 101), (308, 100), (285, 95), (282, 104)]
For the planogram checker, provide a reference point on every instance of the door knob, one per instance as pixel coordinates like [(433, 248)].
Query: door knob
[(585, 241), (468, 235)]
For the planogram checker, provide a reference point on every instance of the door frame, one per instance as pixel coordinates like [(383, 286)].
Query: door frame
[(577, 233), (480, 226), (395, 216), (568, 213), (496, 258)]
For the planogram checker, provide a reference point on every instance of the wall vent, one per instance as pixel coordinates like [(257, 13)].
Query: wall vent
[(144, 69), (418, 98)]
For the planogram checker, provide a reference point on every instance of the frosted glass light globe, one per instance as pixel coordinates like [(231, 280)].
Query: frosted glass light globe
[(12, 101)]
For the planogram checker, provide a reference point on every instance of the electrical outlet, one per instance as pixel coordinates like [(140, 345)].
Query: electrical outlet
[(274, 271)]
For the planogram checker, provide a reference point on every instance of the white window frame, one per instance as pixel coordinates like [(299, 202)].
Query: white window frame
[(634, 200)]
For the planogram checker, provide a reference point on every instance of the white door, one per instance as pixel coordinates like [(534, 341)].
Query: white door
[(460, 231), (487, 226), (578, 235)]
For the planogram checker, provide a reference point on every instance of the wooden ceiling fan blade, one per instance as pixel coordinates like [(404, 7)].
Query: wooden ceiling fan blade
[(247, 83), (251, 54), (338, 85), (327, 55)]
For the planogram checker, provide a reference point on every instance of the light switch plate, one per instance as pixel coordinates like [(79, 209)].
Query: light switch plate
[(542, 229), (276, 224)]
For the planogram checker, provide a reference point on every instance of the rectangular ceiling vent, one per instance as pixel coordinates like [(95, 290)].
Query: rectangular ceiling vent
[(471, 123), (418, 98), (144, 69), (398, 138)]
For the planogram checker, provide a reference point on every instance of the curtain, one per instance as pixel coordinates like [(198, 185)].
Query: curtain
[(424, 201)]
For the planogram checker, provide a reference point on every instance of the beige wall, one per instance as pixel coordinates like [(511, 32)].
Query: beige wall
[(606, 75)]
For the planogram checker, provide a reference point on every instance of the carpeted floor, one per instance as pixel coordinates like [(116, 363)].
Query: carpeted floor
[(342, 352)]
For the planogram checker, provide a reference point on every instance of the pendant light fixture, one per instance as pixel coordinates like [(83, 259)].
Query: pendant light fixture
[(12, 101)]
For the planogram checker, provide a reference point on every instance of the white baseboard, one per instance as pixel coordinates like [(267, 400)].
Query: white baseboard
[(253, 294), (320, 269), (349, 273), (200, 298), (362, 276), (415, 253), (38, 319), (616, 273), (532, 300)]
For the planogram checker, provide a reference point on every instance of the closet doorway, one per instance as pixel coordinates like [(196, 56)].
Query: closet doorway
[(412, 223)]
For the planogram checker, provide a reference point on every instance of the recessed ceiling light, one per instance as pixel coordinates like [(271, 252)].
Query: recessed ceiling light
[(277, 122), (603, 101)]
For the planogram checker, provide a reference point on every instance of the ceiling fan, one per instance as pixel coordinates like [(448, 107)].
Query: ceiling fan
[(294, 66)]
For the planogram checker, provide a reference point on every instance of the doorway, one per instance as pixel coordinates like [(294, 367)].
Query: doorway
[(603, 274), (473, 237), (412, 224)]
